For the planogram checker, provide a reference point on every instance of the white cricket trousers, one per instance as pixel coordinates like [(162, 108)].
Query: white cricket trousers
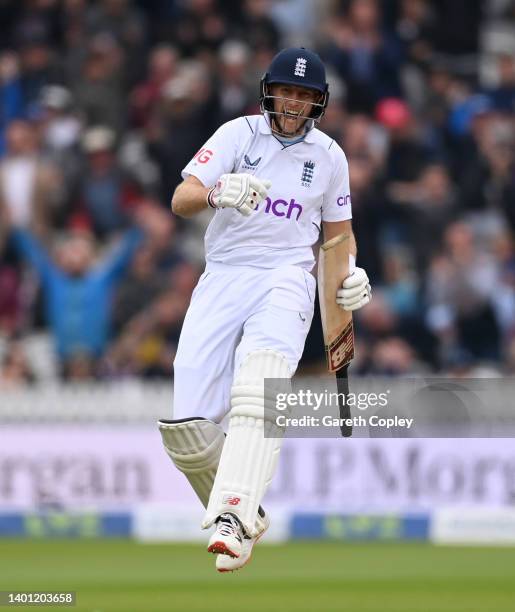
[(234, 311)]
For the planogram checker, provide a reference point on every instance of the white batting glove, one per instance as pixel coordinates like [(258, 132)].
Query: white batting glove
[(355, 292), (240, 191)]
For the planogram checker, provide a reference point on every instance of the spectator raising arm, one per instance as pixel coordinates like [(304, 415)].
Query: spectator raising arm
[(115, 264), (31, 250)]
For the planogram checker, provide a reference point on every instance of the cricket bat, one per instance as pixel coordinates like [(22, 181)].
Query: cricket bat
[(333, 268)]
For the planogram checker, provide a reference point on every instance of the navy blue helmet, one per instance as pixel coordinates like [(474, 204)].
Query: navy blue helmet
[(296, 66)]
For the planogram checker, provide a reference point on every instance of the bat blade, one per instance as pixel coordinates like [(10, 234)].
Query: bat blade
[(333, 268)]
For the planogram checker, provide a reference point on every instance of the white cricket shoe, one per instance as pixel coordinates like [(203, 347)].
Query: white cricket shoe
[(225, 563), (228, 537)]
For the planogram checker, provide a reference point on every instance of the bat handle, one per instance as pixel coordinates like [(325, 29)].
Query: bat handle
[(342, 385)]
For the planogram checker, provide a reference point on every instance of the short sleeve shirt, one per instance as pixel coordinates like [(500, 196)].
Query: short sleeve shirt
[(310, 184)]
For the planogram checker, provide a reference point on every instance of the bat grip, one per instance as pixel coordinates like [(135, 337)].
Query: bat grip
[(342, 385)]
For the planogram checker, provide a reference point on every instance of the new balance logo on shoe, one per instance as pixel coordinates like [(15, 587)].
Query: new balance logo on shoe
[(231, 500)]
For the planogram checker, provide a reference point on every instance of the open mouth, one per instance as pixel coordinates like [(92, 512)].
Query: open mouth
[(290, 121)]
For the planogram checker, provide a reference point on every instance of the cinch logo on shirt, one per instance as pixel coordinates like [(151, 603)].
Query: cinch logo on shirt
[(282, 208), (343, 200)]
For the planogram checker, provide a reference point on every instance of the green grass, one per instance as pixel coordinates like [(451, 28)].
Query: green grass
[(301, 577)]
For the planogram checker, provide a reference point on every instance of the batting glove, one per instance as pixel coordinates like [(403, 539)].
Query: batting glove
[(355, 292), (240, 191)]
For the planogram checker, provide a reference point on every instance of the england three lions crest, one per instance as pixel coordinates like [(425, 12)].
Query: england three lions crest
[(307, 173)]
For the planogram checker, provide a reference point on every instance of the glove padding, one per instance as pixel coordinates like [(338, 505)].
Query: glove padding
[(355, 292), (240, 191)]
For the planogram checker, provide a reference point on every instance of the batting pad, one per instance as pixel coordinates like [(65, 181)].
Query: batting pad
[(249, 458), (195, 446)]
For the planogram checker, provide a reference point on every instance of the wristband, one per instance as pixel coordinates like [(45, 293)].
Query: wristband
[(209, 198)]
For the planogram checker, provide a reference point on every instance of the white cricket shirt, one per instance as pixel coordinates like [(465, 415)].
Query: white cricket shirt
[(310, 184)]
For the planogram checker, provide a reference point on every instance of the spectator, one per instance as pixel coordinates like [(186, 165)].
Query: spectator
[(503, 301), (161, 229), (430, 205), (257, 27), (147, 345), (364, 140), (368, 210), (184, 117), (510, 361), (10, 301), (457, 26), (11, 96), (366, 58), (61, 126), (503, 94), (60, 132), (334, 119), (297, 20), (140, 286), (234, 91), (400, 289), (407, 153), (77, 290), (461, 286), (199, 28), (103, 103), (415, 29), (106, 194), (99, 94), (39, 66), (28, 187), (394, 357), (162, 67), (488, 180), (126, 24), (15, 370), (156, 266)]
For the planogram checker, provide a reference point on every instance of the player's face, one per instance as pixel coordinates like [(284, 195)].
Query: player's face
[(292, 105), (75, 256)]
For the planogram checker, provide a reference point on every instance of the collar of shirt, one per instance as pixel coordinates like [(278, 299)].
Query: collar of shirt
[(265, 128)]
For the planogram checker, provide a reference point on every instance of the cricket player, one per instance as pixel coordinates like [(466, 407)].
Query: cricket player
[(274, 181)]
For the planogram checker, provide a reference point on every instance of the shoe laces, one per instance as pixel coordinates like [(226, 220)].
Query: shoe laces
[(229, 525)]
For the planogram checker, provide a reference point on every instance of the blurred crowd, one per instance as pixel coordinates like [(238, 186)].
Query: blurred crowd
[(102, 103)]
